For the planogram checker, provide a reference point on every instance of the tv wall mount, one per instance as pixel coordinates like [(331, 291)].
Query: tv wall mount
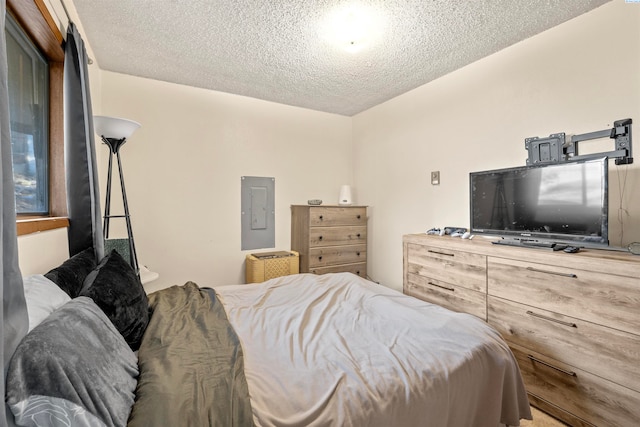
[(555, 148)]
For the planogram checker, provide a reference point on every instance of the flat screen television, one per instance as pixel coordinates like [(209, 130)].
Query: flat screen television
[(561, 202)]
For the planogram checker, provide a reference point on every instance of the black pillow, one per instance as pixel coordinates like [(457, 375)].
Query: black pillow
[(70, 275), (117, 290)]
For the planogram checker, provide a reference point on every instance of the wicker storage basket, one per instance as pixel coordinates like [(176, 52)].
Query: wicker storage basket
[(264, 266)]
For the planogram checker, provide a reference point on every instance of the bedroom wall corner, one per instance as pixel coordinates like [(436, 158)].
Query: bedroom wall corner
[(183, 171), (477, 118)]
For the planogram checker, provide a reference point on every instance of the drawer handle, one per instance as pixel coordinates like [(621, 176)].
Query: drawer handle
[(440, 253), (358, 253), (358, 235), (319, 237), (551, 319), (321, 218), (358, 216), (447, 288), (542, 362), (320, 258), (571, 275)]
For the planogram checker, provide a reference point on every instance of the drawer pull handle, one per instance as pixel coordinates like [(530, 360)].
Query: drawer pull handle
[(320, 258), (358, 235), (571, 275), (447, 288), (321, 218), (358, 253), (551, 319), (542, 362), (320, 238), (358, 217), (440, 253)]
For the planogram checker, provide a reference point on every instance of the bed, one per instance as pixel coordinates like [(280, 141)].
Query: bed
[(300, 350)]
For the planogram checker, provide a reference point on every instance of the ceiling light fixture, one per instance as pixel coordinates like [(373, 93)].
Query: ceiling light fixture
[(354, 27)]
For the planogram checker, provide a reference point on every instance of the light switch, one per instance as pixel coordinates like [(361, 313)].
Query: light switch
[(435, 178)]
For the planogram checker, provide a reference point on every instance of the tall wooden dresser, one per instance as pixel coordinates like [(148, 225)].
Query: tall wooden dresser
[(571, 320), (330, 239)]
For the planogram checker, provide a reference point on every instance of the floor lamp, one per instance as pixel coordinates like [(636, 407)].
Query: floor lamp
[(114, 133)]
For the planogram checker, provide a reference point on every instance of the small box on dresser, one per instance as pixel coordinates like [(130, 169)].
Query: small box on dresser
[(571, 320), (330, 239)]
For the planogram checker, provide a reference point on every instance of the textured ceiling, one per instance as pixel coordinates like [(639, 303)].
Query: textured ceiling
[(286, 50)]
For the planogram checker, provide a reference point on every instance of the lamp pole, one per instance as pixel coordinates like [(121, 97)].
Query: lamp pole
[(114, 145)]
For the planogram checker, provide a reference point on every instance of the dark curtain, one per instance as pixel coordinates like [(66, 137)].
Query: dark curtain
[(14, 310), (83, 196)]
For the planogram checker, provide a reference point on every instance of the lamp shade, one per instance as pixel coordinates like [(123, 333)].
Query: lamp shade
[(114, 127)]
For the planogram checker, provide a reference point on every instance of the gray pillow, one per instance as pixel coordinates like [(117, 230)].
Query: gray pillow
[(74, 368)]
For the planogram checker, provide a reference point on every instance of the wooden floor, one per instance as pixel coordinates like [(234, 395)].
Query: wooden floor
[(540, 419)]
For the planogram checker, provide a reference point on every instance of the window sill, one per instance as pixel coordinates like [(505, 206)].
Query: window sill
[(34, 225)]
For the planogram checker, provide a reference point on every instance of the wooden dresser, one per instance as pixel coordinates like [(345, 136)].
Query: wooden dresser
[(330, 239), (571, 320)]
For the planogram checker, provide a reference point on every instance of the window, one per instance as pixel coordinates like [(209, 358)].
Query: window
[(28, 84), (35, 55)]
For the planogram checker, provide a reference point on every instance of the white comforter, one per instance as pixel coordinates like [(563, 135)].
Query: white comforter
[(337, 350)]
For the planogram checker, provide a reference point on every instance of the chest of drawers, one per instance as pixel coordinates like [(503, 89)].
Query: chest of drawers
[(330, 239), (571, 320)]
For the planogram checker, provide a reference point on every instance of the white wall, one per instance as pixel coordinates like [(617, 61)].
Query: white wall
[(40, 252), (183, 168), (575, 78)]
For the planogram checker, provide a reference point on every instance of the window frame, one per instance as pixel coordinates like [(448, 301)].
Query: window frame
[(30, 126), (34, 17)]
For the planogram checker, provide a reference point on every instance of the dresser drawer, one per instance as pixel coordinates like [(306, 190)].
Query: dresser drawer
[(453, 297), (605, 299), (603, 351), (321, 257), (357, 269), (332, 216), (557, 412), (462, 268), (596, 400), (335, 236)]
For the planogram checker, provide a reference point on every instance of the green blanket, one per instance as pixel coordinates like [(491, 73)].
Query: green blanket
[(191, 364)]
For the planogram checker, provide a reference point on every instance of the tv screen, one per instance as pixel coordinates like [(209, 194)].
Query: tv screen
[(561, 202)]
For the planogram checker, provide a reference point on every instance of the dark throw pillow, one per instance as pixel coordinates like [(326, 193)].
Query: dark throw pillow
[(116, 289), (70, 275)]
